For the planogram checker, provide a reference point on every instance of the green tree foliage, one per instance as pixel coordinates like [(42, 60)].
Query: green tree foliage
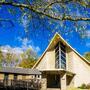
[(1, 58), (28, 59), (87, 56), (8, 59), (27, 63), (11, 59)]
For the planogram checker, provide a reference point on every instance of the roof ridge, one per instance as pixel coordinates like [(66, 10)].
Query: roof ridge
[(65, 43)]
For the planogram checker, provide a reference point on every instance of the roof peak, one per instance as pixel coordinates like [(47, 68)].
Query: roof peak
[(57, 33), (56, 38)]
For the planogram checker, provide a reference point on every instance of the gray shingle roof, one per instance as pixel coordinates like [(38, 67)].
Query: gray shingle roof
[(21, 71)]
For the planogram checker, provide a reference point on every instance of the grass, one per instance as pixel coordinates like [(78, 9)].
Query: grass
[(78, 89)]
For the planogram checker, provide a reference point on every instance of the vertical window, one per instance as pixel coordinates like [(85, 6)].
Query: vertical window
[(63, 56), (57, 61), (60, 56)]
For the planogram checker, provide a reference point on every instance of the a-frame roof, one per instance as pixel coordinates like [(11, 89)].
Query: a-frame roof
[(53, 42)]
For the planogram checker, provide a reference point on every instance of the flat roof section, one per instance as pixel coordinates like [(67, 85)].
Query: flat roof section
[(57, 71), (19, 71)]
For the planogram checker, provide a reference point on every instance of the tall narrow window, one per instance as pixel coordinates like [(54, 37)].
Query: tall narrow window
[(57, 61), (60, 56), (63, 55)]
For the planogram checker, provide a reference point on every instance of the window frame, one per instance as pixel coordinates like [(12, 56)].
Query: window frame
[(60, 55)]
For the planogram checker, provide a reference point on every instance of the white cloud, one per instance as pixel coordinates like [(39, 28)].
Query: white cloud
[(25, 21), (10, 49), (86, 34), (37, 49), (28, 44)]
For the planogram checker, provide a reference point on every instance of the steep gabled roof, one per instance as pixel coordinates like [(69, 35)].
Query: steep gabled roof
[(53, 42)]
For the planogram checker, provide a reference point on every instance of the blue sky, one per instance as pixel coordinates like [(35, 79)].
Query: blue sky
[(37, 39)]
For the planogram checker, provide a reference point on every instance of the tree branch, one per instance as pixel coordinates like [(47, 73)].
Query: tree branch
[(30, 7), (66, 2), (62, 2)]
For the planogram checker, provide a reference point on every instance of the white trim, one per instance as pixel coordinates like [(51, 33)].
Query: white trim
[(57, 34), (44, 52), (73, 49)]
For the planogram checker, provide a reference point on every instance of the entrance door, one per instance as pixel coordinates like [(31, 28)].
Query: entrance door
[(53, 81)]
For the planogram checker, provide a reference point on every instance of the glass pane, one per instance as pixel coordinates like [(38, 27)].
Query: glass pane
[(57, 56), (63, 53), (57, 52), (63, 66), (63, 58), (63, 62), (57, 48), (63, 49)]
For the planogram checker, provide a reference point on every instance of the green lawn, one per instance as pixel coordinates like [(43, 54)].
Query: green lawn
[(78, 89)]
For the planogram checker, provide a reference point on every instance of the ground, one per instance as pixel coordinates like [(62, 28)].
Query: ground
[(78, 89)]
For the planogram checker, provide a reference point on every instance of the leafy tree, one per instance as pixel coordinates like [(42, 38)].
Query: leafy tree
[(12, 59), (87, 56), (27, 63), (8, 57), (64, 16), (1, 58), (51, 14), (1, 55), (31, 53), (28, 59)]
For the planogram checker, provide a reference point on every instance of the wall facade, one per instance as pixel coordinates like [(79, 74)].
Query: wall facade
[(69, 60), (74, 62), (1, 76), (82, 70), (19, 77), (48, 61)]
